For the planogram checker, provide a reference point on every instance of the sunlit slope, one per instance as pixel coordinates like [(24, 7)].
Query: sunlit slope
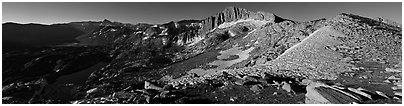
[(314, 58)]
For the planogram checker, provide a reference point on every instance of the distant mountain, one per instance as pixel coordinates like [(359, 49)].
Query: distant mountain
[(36, 35)]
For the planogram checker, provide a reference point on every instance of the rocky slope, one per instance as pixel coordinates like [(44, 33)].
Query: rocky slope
[(235, 56)]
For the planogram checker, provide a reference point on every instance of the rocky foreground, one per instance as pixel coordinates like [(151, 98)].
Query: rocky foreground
[(235, 56)]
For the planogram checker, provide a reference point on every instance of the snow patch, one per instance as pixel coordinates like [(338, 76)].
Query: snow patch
[(222, 64), (147, 37), (176, 25), (242, 54), (231, 34), (248, 34), (228, 24), (138, 32), (164, 32), (212, 30), (196, 40), (255, 22), (164, 41), (256, 42)]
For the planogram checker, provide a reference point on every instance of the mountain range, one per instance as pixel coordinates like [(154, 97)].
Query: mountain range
[(235, 56)]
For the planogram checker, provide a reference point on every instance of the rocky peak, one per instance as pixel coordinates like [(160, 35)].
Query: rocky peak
[(233, 14), (106, 22)]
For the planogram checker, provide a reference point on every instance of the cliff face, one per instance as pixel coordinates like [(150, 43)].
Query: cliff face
[(234, 14)]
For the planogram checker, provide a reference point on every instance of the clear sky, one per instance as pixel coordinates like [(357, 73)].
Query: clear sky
[(141, 12)]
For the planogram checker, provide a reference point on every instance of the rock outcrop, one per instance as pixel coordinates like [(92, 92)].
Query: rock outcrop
[(321, 93), (233, 14)]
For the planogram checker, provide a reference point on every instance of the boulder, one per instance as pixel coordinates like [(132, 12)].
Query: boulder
[(313, 96), (320, 93), (256, 88), (286, 86), (148, 85), (240, 82)]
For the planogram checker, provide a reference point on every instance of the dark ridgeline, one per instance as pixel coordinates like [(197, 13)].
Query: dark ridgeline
[(36, 35)]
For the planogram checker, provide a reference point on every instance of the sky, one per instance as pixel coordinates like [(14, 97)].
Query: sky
[(162, 12)]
